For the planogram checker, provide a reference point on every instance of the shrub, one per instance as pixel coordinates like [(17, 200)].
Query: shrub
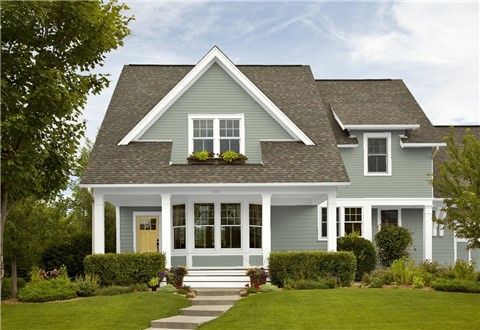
[(432, 267), (327, 283), (393, 242), (418, 281), (403, 270), (287, 267), (167, 289), (364, 251), (376, 282), (462, 270), (184, 290), (59, 288), (125, 268), (456, 286), (267, 287), (114, 290), (70, 253), (85, 286), (7, 286), (258, 276), (175, 276), (139, 287), (383, 275)]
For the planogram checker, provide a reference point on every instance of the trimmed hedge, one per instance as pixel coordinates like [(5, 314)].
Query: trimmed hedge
[(125, 268), (456, 286), (364, 251), (60, 288), (287, 267)]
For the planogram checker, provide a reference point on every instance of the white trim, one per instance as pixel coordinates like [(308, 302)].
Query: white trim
[(154, 140), (215, 56), (134, 224), (384, 135), (386, 208), (375, 127), (117, 230), (277, 140), (216, 129), (422, 145), (214, 185), (347, 145)]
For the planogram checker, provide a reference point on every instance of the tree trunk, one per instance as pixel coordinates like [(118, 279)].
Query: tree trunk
[(3, 218), (14, 276)]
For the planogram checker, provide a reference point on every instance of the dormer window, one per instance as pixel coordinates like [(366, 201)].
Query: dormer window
[(216, 133), (377, 154)]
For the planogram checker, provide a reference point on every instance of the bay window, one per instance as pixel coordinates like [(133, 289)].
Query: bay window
[(230, 222), (178, 216), (216, 133), (255, 226), (204, 221)]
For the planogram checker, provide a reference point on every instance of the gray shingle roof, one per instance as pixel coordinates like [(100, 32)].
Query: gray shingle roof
[(140, 88), (359, 102), (441, 155)]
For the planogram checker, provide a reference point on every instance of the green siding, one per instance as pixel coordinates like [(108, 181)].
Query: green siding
[(179, 261), (410, 168), (462, 251), (215, 92), (126, 225), (255, 260), (217, 261), (442, 248), (295, 228), (412, 219)]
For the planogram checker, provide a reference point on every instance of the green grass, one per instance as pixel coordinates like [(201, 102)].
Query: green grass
[(126, 311), (353, 309)]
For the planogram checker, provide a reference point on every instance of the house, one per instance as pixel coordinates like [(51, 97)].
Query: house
[(325, 158)]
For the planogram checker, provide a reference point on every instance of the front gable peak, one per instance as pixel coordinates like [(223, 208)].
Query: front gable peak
[(215, 55)]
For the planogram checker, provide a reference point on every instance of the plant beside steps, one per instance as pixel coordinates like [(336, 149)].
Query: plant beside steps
[(208, 305)]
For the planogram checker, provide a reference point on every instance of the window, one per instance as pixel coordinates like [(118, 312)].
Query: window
[(229, 135), (230, 222), (389, 217), (255, 226), (178, 216), (148, 224), (203, 135), (323, 229), (216, 133), (377, 154), (353, 220), (204, 221)]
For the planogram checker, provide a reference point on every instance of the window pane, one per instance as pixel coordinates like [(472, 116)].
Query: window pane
[(230, 214), (353, 220), (389, 217), (204, 237), (230, 144), (179, 238), (203, 144), (230, 128), (324, 222), (178, 215), (377, 163), (324, 229), (377, 146), (204, 214), (231, 237), (255, 237), (255, 214), (203, 128)]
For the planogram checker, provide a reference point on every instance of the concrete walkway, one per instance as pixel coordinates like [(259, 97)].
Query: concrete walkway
[(206, 306)]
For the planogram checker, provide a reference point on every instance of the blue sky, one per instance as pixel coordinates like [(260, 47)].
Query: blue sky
[(433, 47)]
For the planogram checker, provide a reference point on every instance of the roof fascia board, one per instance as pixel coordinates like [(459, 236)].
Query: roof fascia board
[(215, 56), (215, 185), (382, 127), (422, 145), (347, 145)]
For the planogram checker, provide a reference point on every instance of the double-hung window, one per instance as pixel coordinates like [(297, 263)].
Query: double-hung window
[(178, 216), (255, 226), (377, 154), (323, 224), (204, 220), (353, 220), (216, 133), (231, 226)]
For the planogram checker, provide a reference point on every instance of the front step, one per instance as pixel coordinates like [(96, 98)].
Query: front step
[(213, 300), (218, 292), (216, 277), (181, 322), (205, 310)]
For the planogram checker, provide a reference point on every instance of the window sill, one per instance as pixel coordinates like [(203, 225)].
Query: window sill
[(377, 174)]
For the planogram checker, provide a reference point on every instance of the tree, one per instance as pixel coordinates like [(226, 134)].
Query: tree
[(49, 50), (458, 182)]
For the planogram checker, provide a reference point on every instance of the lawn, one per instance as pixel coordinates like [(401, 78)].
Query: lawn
[(126, 311), (353, 309)]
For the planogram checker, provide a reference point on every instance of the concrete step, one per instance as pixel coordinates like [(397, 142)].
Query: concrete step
[(215, 300), (181, 322), (213, 283), (215, 277), (205, 310), (220, 272), (218, 292)]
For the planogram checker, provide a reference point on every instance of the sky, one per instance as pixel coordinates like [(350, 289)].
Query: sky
[(433, 47)]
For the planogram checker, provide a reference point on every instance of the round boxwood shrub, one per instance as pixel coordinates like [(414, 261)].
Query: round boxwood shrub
[(70, 253), (364, 251), (393, 242)]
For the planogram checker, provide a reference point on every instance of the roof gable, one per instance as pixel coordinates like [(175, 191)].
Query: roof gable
[(215, 56)]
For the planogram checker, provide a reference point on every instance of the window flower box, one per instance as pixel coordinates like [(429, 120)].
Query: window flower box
[(226, 158)]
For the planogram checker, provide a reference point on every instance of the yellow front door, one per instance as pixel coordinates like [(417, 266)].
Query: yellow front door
[(147, 232)]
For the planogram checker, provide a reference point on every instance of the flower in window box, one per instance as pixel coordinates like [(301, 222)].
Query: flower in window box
[(231, 156)]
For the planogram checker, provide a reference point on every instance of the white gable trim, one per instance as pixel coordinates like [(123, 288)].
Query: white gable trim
[(215, 56), (374, 127)]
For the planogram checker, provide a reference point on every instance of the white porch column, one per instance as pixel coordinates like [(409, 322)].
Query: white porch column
[(167, 228), (427, 232), (98, 223), (117, 229), (332, 222), (266, 228), (367, 222)]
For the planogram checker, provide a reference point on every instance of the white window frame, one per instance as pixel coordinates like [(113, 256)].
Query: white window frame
[(184, 226), (362, 222), (254, 226), (320, 208), (216, 129), (379, 215), (239, 226), (388, 137)]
